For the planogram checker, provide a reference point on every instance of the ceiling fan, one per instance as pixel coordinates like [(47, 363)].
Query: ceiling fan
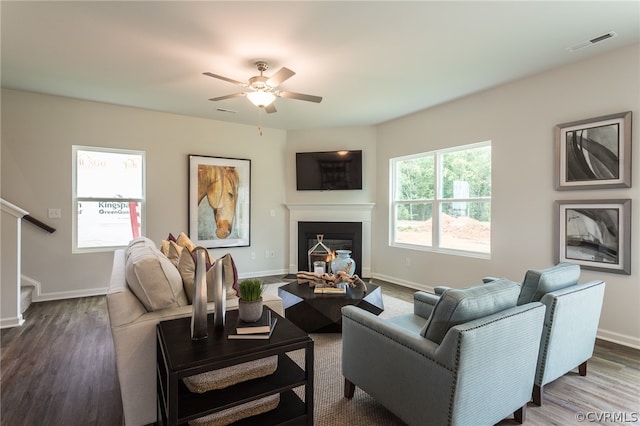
[(262, 90)]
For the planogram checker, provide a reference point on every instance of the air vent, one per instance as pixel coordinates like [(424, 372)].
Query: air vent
[(591, 42), (230, 111)]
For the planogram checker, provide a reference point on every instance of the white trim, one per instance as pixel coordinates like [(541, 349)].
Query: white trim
[(12, 209), (357, 212), (26, 281), (61, 295), (258, 274), (404, 283), (620, 339), (11, 322)]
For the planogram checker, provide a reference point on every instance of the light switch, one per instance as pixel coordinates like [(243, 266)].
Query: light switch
[(54, 213)]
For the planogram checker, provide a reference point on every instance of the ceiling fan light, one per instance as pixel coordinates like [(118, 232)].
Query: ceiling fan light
[(261, 99)]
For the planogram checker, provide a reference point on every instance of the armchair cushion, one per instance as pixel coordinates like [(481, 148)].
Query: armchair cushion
[(458, 306), (152, 277), (538, 282)]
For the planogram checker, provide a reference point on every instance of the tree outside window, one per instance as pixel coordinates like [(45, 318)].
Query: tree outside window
[(448, 191)]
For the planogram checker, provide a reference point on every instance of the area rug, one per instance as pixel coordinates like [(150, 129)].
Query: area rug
[(331, 407)]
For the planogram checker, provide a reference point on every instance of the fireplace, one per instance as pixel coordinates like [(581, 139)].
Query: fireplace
[(330, 213), (337, 236)]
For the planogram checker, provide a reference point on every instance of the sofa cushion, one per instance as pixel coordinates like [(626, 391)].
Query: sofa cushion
[(187, 270), (538, 282), (152, 277), (457, 306)]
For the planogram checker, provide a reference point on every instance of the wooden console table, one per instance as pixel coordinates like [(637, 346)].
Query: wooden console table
[(179, 357)]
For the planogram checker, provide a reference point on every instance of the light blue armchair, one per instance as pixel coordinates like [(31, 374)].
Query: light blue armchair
[(571, 320), (467, 357)]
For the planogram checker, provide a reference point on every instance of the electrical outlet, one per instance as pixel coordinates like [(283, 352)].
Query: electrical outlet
[(273, 212), (253, 255)]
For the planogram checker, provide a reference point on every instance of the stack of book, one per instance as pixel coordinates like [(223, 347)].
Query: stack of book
[(260, 329), (330, 290)]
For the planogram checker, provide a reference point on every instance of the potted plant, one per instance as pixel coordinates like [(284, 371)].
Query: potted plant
[(250, 303)]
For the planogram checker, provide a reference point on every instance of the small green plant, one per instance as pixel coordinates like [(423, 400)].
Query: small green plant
[(251, 290)]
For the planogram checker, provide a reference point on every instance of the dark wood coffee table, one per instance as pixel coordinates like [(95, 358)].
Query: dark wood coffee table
[(321, 313)]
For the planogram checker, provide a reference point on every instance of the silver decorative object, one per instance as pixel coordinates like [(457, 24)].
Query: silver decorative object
[(199, 305), (219, 294)]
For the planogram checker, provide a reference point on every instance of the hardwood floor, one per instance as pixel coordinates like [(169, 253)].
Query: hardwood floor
[(59, 369)]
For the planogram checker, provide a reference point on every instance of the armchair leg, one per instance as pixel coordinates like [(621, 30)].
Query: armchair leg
[(520, 414), (537, 395), (582, 369), (349, 389)]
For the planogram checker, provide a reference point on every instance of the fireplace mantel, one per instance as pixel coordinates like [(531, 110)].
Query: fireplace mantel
[(356, 212)]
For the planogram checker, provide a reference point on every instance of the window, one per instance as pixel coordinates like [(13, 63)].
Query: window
[(441, 200), (108, 198)]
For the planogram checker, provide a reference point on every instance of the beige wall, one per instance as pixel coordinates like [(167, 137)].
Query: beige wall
[(38, 131), (519, 119), (37, 134)]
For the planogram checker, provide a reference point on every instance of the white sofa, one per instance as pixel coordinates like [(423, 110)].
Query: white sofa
[(134, 337)]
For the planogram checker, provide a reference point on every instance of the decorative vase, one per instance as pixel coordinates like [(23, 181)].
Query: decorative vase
[(250, 311), (199, 303), (219, 295), (342, 262)]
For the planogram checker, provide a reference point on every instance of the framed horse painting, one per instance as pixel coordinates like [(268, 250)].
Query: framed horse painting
[(219, 201)]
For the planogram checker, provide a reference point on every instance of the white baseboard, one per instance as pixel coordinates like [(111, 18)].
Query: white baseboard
[(620, 339), (404, 283), (258, 274), (26, 281), (11, 322), (60, 295), (38, 296)]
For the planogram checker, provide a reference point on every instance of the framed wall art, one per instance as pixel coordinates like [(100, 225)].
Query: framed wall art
[(595, 234), (219, 201), (594, 153)]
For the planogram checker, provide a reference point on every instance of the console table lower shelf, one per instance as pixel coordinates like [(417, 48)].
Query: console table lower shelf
[(180, 357)]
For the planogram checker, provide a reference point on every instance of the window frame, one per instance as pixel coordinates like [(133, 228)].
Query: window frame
[(436, 202), (75, 199)]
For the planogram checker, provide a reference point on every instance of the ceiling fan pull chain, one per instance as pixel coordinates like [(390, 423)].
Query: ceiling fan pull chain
[(260, 121)]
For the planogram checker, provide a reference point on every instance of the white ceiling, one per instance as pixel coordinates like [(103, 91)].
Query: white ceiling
[(371, 61)]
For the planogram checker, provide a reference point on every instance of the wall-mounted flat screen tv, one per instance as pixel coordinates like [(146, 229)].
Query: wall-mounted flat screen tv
[(329, 170)]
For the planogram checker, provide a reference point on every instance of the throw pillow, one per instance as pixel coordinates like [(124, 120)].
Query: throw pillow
[(538, 282), (152, 277), (457, 306), (184, 241), (173, 253), (187, 270), (164, 244), (229, 277)]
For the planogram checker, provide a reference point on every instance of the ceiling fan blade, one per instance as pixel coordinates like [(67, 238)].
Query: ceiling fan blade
[(235, 95), (271, 108), (232, 81), (300, 96), (282, 75)]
